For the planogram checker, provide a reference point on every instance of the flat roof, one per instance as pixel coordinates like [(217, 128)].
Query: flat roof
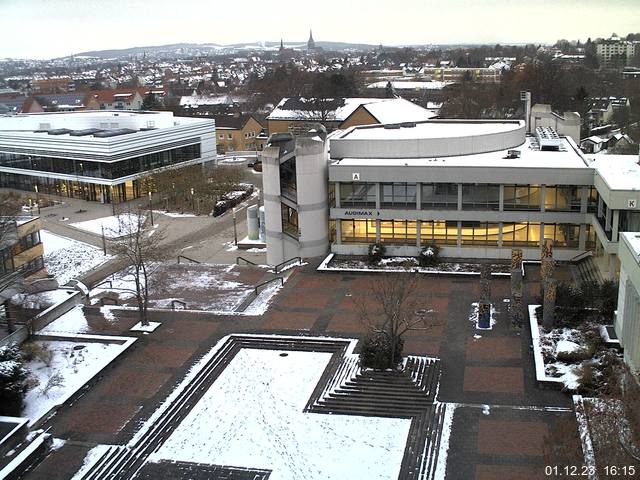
[(431, 130), (633, 239), (620, 172), (530, 157)]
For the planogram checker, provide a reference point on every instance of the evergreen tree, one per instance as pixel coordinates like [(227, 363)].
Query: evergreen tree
[(150, 102), (13, 378), (390, 92)]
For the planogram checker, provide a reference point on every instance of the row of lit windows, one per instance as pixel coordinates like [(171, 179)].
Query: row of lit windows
[(481, 196), (404, 232)]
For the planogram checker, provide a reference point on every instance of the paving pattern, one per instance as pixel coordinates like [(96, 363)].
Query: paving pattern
[(478, 369)]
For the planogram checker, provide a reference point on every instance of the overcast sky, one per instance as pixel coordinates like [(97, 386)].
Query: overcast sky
[(52, 28)]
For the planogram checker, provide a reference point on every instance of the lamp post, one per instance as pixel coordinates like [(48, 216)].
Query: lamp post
[(104, 243), (193, 207), (235, 230), (37, 198), (113, 201), (150, 209)]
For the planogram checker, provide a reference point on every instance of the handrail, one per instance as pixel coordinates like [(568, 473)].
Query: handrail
[(581, 256), (187, 258), (244, 259), (255, 289), (282, 264), (103, 282)]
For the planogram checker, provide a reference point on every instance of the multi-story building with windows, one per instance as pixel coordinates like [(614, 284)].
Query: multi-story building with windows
[(20, 249), (615, 52), (475, 188), (98, 155)]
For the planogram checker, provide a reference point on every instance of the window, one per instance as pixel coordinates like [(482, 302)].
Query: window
[(229, 136), (591, 238), (522, 197), (331, 194), (445, 233), (480, 196), (592, 202), (289, 220), (398, 195), (398, 231), (288, 180), (564, 235), (479, 233), (439, 196), (361, 195), (525, 234), (221, 136), (332, 231), (358, 231), (562, 198)]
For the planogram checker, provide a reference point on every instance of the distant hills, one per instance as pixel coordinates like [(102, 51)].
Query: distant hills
[(210, 48)]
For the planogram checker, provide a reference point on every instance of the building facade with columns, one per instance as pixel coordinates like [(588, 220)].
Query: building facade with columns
[(477, 189)]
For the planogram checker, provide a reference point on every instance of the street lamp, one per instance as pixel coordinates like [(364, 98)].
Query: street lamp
[(113, 201), (193, 207), (235, 230), (37, 198), (150, 209)]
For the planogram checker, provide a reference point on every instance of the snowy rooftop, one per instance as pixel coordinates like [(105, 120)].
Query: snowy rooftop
[(633, 239), (386, 110), (402, 85), (431, 130), (530, 157), (620, 172)]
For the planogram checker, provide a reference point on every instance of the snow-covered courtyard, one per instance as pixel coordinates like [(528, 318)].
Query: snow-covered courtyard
[(71, 365), (252, 416), (66, 258), (114, 226)]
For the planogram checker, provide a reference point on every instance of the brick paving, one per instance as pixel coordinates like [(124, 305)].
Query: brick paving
[(495, 369)]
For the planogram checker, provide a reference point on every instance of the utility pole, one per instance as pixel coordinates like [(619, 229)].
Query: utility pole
[(235, 230), (150, 209)]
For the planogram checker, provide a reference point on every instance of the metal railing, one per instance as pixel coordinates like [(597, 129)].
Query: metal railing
[(188, 259), (581, 256), (277, 268), (244, 260), (256, 289)]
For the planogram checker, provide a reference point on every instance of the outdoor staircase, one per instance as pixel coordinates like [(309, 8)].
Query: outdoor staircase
[(586, 270), (403, 393), (344, 388)]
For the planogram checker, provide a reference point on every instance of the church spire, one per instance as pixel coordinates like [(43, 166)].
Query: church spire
[(311, 44)]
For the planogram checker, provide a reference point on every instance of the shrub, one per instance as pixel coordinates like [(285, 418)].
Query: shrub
[(31, 351), (430, 256), (376, 252), (377, 351), (13, 381), (587, 379), (608, 299)]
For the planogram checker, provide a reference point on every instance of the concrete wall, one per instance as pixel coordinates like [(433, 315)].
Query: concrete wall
[(568, 124), (272, 210), (628, 320)]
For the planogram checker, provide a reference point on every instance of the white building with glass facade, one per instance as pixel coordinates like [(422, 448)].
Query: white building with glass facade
[(477, 189), (98, 155)]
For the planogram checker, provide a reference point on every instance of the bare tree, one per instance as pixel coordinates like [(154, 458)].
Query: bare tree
[(141, 249), (396, 304)]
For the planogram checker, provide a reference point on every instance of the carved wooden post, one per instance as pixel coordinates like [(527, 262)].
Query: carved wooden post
[(484, 307), (547, 268), (515, 307), (549, 305)]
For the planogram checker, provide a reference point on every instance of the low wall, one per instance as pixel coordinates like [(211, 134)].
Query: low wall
[(55, 311)]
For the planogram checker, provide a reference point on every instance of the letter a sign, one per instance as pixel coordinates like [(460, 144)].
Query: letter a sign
[(355, 176)]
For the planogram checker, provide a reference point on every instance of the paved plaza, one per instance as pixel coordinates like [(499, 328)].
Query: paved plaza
[(501, 416)]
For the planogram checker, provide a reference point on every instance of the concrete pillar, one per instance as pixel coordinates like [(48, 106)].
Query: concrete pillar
[(262, 227), (253, 222), (543, 194), (582, 239), (418, 196), (378, 195), (549, 305), (271, 195), (337, 194), (459, 240), (607, 219), (338, 231), (459, 196), (377, 231), (418, 233), (615, 224), (584, 199), (600, 206), (501, 204)]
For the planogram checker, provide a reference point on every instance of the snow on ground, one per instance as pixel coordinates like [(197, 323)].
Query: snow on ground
[(252, 416), (43, 300), (66, 258), (138, 327), (114, 226), (72, 322), (175, 214), (74, 366)]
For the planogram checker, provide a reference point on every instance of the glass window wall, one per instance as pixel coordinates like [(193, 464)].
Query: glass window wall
[(439, 196)]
